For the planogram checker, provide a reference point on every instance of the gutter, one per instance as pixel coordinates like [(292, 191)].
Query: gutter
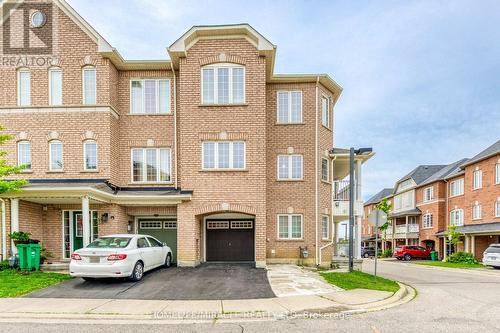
[(4, 230), (316, 185), (175, 125)]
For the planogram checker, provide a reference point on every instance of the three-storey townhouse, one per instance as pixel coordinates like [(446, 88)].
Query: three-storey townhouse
[(369, 231), (209, 151)]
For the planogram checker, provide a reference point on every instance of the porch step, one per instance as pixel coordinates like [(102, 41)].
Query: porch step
[(55, 267)]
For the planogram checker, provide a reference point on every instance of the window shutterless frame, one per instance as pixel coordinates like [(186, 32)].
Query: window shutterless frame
[(290, 224), (157, 94), (289, 94), (325, 99), (51, 145), (144, 173), (84, 97), (85, 143), (23, 88), (20, 154), (216, 156), (215, 68), (52, 100), (327, 179), (325, 219), (290, 171)]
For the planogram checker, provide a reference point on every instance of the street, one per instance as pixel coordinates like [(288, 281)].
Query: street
[(448, 300)]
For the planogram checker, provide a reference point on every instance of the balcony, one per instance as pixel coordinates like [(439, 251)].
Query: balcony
[(341, 201), (406, 231)]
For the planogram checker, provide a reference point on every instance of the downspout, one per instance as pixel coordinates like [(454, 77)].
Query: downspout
[(447, 216), (175, 124), (4, 230), (333, 235), (316, 185)]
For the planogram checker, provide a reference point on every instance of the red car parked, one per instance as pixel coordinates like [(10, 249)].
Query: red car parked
[(408, 252)]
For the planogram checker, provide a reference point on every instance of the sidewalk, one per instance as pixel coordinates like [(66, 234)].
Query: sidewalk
[(358, 300)]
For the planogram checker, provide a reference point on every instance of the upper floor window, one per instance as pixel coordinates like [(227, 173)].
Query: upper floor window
[(223, 84), (457, 187), (290, 167), (325, 170), (477, 181), (223, 155), (427, 220), (56, 156), (24, 154), (476, 211), (290, 226), (289, 107), (55, 86), (457, 217), (89, 85), (151, 165), (325, 222), (23, 87), (90, 155), (497, 208), (150, 96), (325, 111), (497, 173), (428, 194)]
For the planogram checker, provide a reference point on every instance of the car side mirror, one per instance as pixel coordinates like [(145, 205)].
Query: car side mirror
[(164, 244)]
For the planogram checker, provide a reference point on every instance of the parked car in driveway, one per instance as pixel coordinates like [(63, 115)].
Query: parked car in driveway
[(491, 256), (120, 256), (408, 252)]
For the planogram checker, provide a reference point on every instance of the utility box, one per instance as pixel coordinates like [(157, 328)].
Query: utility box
[(304, 253)]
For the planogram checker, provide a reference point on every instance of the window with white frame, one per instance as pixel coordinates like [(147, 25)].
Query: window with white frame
[(151, 165), (476, 211), (457, 217), (290, 167), (325, 170), (457, 187), (289, 107), (150, 96), (23, 87), (428, 194), (325, 111), (325, 226), (223, 84), (290, 226), (55, 86), (477, 181), (89, 85), (497, 208), (90, 155), (56, 155), (497, 173), (223, 155), (427, 220), (24, 154)]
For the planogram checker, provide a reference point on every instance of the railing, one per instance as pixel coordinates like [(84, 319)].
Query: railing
[(388, 231), (401, 229), (341, 190), (413, 228)]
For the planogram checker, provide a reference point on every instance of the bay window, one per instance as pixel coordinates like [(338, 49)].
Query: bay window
[(151, 165), (150, 96), (223, 84), (223, 155)]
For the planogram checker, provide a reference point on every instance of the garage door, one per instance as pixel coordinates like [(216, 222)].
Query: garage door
[(230, 240), (164, 230)]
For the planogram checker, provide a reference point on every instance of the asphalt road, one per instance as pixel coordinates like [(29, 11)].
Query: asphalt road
[(448, 301)]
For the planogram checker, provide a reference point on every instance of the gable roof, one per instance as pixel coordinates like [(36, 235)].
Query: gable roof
[(420, 173), (492, 150), (386, 192), (445, 172)]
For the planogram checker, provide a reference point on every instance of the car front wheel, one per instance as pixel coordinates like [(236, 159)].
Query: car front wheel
[(138, 272), (407, 257), (168, 260)]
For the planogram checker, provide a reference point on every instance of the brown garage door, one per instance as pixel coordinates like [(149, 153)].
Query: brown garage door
[(230, 240)]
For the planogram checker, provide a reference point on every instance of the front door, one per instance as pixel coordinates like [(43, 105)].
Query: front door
[(77, 230)]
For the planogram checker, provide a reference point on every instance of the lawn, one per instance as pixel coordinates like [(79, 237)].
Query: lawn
[(449, 264), (356, 279), (14, 283)]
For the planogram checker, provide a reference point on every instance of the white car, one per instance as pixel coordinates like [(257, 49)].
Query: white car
[(491, 256), (123, 255)]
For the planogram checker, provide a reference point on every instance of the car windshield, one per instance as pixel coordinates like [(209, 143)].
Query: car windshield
[(110, 242), (493, 249)]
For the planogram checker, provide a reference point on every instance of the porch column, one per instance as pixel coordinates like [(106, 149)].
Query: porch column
[(445, 253), (467, 243), (14, 220), (473, 245), (406, 233), (335, 238), (86, 220), (357, 250)]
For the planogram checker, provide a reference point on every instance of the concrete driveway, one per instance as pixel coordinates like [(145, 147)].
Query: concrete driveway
[(206, 282)]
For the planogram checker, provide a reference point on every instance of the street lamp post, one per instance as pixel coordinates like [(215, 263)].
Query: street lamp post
[(352, 153)]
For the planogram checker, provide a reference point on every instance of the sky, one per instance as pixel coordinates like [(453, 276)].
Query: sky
[(421, 79)]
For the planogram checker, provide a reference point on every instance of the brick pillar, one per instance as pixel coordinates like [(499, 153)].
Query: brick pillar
[(188, 236), (260, 240)]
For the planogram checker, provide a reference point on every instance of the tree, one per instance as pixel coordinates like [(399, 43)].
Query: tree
[(7, 170), (453, 236), (386, 207)]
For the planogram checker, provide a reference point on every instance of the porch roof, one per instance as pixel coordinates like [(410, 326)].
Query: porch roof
[(45, 191), (483, 228), (411, 212)]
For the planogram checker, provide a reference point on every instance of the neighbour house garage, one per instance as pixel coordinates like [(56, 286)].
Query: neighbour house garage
[(230, 240), (163, 229)]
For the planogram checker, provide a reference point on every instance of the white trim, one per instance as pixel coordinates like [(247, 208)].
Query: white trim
[(84, 69), (216, 156), (143, 92), (85, 155), (289, 218), (327, 227), (497, 173), (328, 177), (477, 211), (50, 155), (71, 229), (24, 142), (323, 97), (454, 212), (454, 183), (289, 114), (144, 169), (215, 68), (19, 71), (289, 162), (479, 184), (431, 194), (497, 208), (50, 71), (424, 226)]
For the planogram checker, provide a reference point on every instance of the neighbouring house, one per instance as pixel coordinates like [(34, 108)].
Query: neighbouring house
[(431, 198), (368, 232), (210, 150)]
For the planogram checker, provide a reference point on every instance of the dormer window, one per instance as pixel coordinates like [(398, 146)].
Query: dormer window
[(223, 84)]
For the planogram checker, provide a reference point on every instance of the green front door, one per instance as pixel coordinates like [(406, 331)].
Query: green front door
[(165, 230), (78, 228)]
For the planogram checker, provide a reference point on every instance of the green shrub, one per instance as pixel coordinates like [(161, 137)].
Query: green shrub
[(387, 253), (4, 265), (462, 257)]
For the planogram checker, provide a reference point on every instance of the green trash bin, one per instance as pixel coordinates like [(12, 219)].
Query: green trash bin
[(29, 257), (434, 256)]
